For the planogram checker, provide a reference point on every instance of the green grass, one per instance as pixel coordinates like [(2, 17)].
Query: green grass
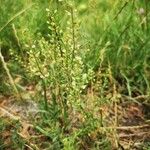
[(79, 56)]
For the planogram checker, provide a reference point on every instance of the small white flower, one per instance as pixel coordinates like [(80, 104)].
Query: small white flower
[(68, 13), (55, 11), (141, 11), (78, 58), (47, 10), (33, 46), (47, 22), (84, 76), (27, 46)]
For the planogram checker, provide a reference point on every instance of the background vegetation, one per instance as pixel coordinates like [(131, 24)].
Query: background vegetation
[(70, 69)]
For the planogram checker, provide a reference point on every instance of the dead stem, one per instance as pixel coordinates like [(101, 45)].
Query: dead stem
[(18, 95)]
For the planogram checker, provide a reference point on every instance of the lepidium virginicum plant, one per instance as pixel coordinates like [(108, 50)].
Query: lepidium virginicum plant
[(59, 65)]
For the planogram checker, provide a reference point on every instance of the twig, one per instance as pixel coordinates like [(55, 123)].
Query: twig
[(126, 127), (16, 36), (133, 135), (137, 98), (18, 95), (9, 114)]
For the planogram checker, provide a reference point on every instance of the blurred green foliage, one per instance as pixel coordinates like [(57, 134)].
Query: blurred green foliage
[(69, 47)]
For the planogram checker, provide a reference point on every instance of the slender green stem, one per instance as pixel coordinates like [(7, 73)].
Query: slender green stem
[(73, 33), (15, 16)]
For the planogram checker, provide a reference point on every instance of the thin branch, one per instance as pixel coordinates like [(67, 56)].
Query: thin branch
[(133, 135), (18, 95)]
